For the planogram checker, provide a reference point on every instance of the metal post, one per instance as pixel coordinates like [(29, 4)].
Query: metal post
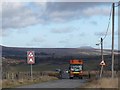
[(113, 41), (31, 73)]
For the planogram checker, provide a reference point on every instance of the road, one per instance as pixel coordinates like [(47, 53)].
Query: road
[(63, 83)]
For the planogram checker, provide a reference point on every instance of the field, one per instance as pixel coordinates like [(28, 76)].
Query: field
[(90, 63), (47, 59)]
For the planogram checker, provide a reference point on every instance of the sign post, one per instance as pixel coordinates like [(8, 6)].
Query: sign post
[(31, 60), (31, 73), (102, 64)]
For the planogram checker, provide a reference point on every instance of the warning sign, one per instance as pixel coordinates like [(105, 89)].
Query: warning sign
[(102, 63), (30, 57)]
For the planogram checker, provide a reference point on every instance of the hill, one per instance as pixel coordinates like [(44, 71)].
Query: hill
[(50, 52), (51, 58)]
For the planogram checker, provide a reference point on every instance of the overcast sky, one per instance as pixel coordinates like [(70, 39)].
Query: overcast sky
[(56, 24)]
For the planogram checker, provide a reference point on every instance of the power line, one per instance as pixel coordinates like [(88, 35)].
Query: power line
[(117, 5), (108, 23)]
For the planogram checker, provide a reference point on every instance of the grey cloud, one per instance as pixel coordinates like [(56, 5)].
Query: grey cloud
[(63, 30), (74, 10), (82, 34), (117, 32), (20, 31), (5, 33), (38, 39), (94, 11), (94, 22), (20, 15), (0, 32), (102, 33), (64, 41), (71, 6)]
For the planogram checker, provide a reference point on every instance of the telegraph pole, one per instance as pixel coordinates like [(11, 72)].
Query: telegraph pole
[(102, 48), (102, 57), (113, 40)]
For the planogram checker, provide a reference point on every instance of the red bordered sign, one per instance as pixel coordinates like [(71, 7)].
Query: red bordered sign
[(30, 57), (102, 63)]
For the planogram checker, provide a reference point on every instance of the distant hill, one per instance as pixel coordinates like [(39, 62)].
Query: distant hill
[(86, 47), (56, 56), (58, 52), (84, 50), (50, 53)]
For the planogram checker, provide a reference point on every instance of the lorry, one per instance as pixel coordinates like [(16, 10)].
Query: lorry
[(76, 69)]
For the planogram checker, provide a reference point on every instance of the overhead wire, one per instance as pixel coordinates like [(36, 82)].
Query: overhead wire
[(106, 33), (117, 5), (108, 24), (110, 20)]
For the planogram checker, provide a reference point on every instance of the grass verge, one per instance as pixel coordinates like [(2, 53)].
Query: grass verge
[(17, 83), (102, 83)]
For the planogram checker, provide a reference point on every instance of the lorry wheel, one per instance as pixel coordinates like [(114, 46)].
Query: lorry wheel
[(80, 77), (71, 77)]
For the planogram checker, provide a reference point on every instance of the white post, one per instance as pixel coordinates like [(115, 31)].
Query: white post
[(101, 71)]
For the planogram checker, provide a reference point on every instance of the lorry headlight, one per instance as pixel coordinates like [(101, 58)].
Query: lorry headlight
[(72, 69)]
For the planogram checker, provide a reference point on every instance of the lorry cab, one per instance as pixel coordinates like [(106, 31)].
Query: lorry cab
[(76, 69)]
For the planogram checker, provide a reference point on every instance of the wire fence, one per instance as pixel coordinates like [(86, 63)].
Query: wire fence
[(25, 75), (37, 74)]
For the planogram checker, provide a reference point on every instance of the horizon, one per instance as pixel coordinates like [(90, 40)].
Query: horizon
[(82, 47)]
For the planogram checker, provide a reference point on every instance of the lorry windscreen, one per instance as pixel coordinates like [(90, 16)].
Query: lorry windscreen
[(76, 67)]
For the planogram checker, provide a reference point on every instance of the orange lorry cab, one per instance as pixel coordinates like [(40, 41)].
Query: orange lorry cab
[(76, 68)]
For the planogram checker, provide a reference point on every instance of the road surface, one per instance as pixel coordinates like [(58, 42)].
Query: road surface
[(63, 83)]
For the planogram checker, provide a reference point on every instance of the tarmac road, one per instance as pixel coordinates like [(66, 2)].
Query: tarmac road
[(63, 83)]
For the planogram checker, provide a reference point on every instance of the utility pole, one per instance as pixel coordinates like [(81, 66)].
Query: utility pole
[(113, 40), (101, 57), (102, 48)]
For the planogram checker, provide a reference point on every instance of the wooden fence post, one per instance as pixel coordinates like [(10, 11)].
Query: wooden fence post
[(8, 76)]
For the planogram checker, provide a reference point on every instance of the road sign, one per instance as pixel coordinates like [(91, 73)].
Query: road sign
[(102, 63), (30, 57)]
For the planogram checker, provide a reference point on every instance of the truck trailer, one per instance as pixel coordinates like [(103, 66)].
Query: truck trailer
[(76, 69)]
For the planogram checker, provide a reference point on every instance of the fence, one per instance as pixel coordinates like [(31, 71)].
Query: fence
[(25, 75)]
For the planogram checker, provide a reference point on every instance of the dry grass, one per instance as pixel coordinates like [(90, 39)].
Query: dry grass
[(15, 83), (0, 84), (102, 83)]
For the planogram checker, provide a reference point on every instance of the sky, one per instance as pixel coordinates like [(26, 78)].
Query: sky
[(57, 24)]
